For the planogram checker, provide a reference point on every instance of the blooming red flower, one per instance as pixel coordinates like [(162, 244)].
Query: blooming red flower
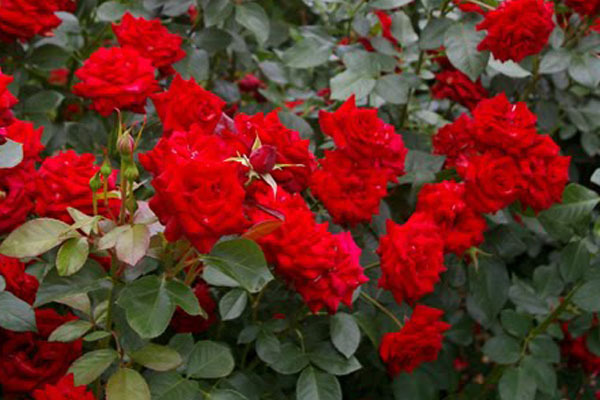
[(351, 194), (365, 138), (116, 78), (23, 19), (186, 103), (577, 351), (59, 76), (585, 7), (251, 84), (322, 267), (184, 323), (492, 182), (412, 258), (456, 141), (419, 341), (152, 40), (200, 199), (291, 151), (517, 29), (461, 226), (64, 389), (17, 281), (24, 133), (500, 125), (7, 100), (545, 174), (29, 361), (15, 198), (456, 86), (64, 181)]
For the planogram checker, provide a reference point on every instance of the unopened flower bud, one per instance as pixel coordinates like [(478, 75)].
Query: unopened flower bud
[(96, 182), (263, 159), (130, 172), (106, 169), (125, 144)]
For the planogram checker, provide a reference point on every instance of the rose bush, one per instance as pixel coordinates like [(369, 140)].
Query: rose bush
[(311, 200)]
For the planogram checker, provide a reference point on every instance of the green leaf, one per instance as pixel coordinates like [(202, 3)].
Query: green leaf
[(509, 68), (110, 11), (585, 69), (132, 244), (393, 88), (514, 323), (183, 296), (172, 386), (389, 4), (194, 65), (109, 240), (85, 223), (43, 102), (544, 348), (242, 260), (210, 360), (517, 384), (15, 314), (49, 57), (2, 283), (291, 360), (461, 47), (217, 11), (402, 29), (555, 61), (345, 334), (268, 347), (127, 384), (544, 374), (254, 18), (574, 260), (432, 37), (94, 336), (54, 287), (488, 290), (502, 349), (577, 203), (308, 53), (11, 154), (87, 368), (213, 39), (72, 256), (316, 385), (35, 237), (330, 360), (233, 304), (147, 305), (70, 331), (587, 296), (350, 82), (157, 357)]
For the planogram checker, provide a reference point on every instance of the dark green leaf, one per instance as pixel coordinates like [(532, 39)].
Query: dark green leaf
[(233, 304), (157, 358), (72, 256), (70, 331), (210, 360), (461, 42), (11, 154), (587, 297), (15, 314), (502, 349), (87, 368), (254, 18), (127, 384), (35, 237), (345, 334), (316, 385), (330, 360)]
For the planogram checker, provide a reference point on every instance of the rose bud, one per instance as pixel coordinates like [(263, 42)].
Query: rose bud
[(263, 159), (125, 144)]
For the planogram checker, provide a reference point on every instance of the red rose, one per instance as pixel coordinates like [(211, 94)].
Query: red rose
[(64, 181), (152, 40), (466, 6), (23, 19), (64, 389), (386, 26), (498, 124), (419, 341), (577, 351), (7, 100), (116, 78), (184, 323), (263, 159), (445, 203), (322, 267), (59, 76), (201, 200), (251, 84), (29, 361), (456, 86), (545, 174), (412, 258), (585, 7), (351, 195), (186, 103), (517, 29), (492, 182), (24, 133), (16, 193), (365, 138), (292, 152), (18, 282), (456, 141)]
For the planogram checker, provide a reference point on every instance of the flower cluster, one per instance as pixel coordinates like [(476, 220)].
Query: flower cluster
[(23, 19), (353, 178)]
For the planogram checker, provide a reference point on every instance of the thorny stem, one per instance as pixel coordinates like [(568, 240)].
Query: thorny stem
[(382, 308)]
